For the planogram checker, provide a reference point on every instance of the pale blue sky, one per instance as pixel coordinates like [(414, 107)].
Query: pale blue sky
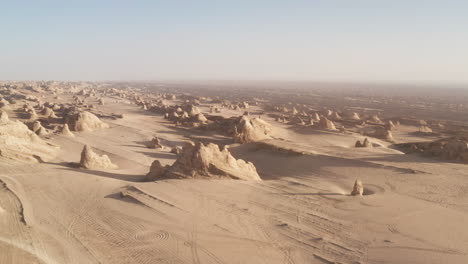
[(347, 40)]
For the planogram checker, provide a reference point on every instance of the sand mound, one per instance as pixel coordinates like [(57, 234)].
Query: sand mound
[(84, 121), (18, 142), (91, 160), (200, 161), (251, 130)]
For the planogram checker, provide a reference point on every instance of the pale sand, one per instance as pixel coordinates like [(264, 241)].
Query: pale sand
[(414, 209)]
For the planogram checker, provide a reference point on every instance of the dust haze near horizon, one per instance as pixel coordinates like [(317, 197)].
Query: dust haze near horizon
[(396, 41)]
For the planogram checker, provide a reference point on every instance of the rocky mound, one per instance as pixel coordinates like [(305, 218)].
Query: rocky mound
[(390, 125), (380, 132), (251, 130), (155, 143), (200, 161), (324, 123), (66, 131), (84, 121), (454, 148), (91, 160), (18, 142), (365, 144), (354, 116), (358, 189), (425, 129)]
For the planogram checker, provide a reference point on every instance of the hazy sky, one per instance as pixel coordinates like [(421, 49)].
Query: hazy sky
[(396, 40)]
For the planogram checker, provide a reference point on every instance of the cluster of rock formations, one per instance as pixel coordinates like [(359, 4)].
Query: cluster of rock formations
[(454, 148), (365, 144), (18, 142), (204, 161)]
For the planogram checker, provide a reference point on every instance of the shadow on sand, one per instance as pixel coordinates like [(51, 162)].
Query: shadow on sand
[(72, 166)]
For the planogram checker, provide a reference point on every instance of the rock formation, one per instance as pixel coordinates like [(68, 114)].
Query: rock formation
[(177, 150), (316, 117), (91, 160), (375, 119), (336, 116), (18, 142), (324, 123), (251, 130), (39, 129), (193, 110), (390, 125), (4, 118), (155, 143), (453, 148), (358, 189), (84, 121), (381, 132), (200, 118), (354, 116), (425, 129), (200, 161), (66, 131), (156, 171), (365, 144)]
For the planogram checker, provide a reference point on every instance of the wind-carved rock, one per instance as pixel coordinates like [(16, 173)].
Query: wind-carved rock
[(84, 121), (204, 161), (91, 160), (365, 144), (358, 188), (251, 130)]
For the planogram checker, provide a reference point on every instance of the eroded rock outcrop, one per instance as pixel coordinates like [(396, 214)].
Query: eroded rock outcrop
[(425, 129), (251, 130), (324, 123), (365, 144), (91, 160), (84, 121), (18, 142), (204, 161), (66, 131), (454, 148), (380, 132), (155, 143), (358, 188), (354, 116)]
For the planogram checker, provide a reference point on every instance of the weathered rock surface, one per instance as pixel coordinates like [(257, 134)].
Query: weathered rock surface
[(205, 161)]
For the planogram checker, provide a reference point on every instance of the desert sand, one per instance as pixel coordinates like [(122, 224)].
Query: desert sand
[(232, 173)]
